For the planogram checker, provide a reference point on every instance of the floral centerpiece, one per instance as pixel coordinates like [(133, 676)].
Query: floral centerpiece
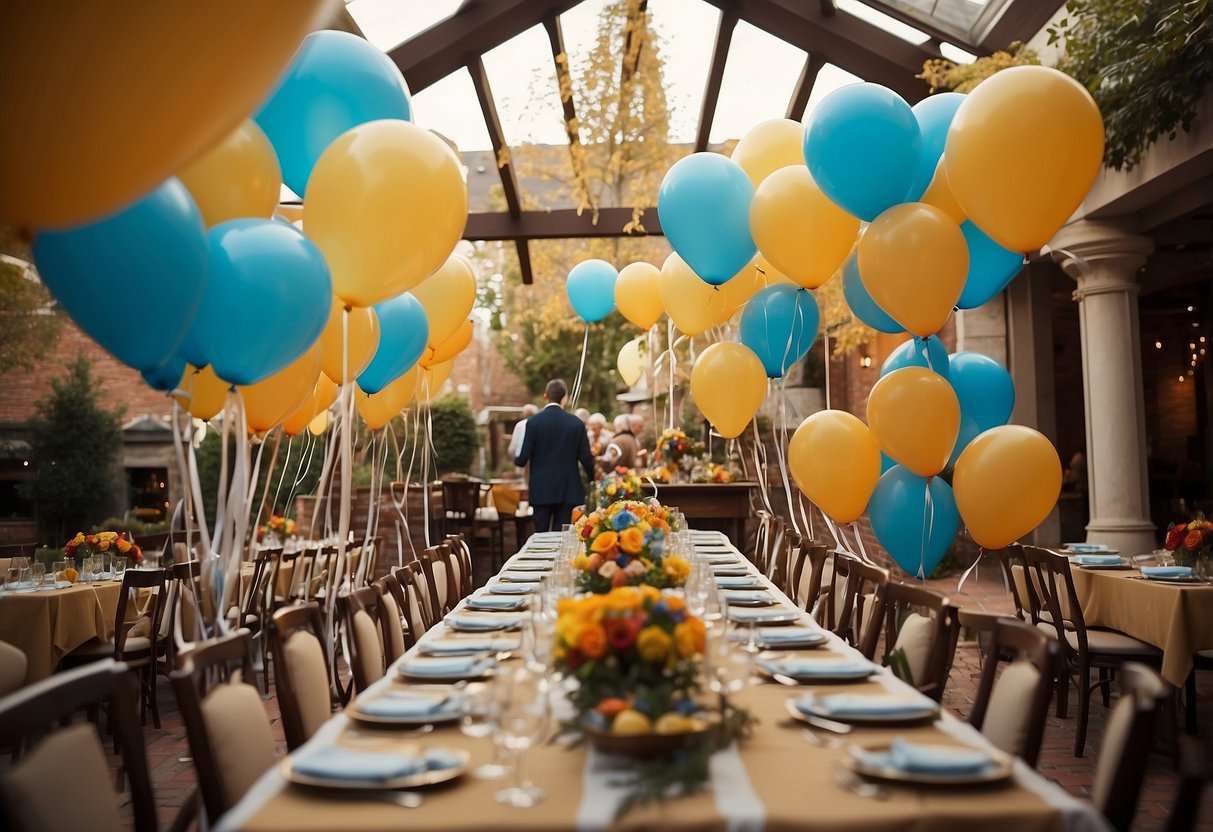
[(620, 484), (279, 527), (1192, 542), (708, 471), (103, 543), (674, 447), (625, 545)]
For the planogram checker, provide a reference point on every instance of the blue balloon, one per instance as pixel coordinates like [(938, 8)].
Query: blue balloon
[(914, 519), (886, 462), (861, 303), (986, 394), (166, 377), (934, 114), (704, 208), (266, 302), (780, 325), (991, 267), (918, 352), (336, 81), (863, 146), (149, 260), (591, 289), (404, 331)]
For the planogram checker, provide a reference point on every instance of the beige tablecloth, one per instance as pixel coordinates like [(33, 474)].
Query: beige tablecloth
[(48, 624), (1174, 618)]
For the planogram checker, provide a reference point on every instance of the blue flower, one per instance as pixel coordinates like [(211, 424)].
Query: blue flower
[(678, 616), (623, 520), (621, 561), (686, 707)]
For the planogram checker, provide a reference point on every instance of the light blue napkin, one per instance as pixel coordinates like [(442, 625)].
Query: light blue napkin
[(737, 582), (457, 646), (714, 560), (510, 589), (532, 566), (482, 624), (334, 763), (746, 596), (443, 665), (789, 635), (807, 668), (522, 577), (1087, 547), (745, 615), (865, 704), (408, 705), (936, 759), (496, 602), (1098, 560), (1167, 571), (729, 569)]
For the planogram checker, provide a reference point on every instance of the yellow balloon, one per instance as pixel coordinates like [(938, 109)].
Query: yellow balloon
[(798, 228), (770, 274), (1007, 481), (835, 462), (447, 296), (386, 203), (449, 348), (320, 424), (692, 304), (915, 416), (361, 339), (239, 177), (728, 384), (203, 393), (739, 288), (323, 395), (913, 260), (631, 361), (637, 294), (290, 212), (104, 102), (379, 409), (1022, 152), (939, 193), (271, 400), (429, 384), (769, 146)]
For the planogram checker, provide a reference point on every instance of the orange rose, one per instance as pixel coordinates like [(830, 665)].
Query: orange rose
[(605, 542), (631, 540), (1192, 541), (592, 641), (577, 514)]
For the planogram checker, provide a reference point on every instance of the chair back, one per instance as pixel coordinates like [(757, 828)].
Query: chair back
[(924, 625), (461, 498), (297, 639), (185, 619), (1195, 773), (1049, 579), (229, 732), (1015, 573), (856, 612), (761, 556), (807, 572), (1128, 735), (433, 566), (32, 790), (253, 602), (359, 610), (463, 553), (412, 600), (390, 620), (287, 576), (787, 554), (1011, 709), (13, 666), (132, 581)]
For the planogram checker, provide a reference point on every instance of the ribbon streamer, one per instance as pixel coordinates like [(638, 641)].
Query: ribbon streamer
[(585, 346)]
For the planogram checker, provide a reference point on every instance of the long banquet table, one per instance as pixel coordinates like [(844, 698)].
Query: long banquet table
[(775, 781)]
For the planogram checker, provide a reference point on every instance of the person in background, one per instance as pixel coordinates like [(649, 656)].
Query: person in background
[(528, 410), (582, 414), (554, 443), (599, 436), (636, 423), (621, 451)]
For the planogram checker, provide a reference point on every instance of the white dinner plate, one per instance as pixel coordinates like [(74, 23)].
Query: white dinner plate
[(1000, 769), (410, 781), (925, 714)]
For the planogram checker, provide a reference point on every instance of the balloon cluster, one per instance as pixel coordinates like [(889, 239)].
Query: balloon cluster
[(364, 289)]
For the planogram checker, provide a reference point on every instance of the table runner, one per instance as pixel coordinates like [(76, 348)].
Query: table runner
[(790, 781)]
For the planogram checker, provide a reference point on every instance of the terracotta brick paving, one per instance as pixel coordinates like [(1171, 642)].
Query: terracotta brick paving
[(173, 774)]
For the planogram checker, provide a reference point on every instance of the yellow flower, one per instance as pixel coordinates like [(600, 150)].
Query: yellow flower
[(566, 606), (79, 538), (107, 536), (675, 603), (103, 545), (631, 540), (689, 637), (676, 568), (650, 593), (604, 542), (622, 599), (581, 563), (568, 629), (653, 644)]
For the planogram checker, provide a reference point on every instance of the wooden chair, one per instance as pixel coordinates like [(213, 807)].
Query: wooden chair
[(360, 616), (805, 583), (135, 644), (1015, 572), (13, 666), (229, 732), (390, 620), (434, 567), (463, 553), (790, 546), (1195, 772), (410, 592), (919, 622), (1011, 709), (32, 791), (761, 556), (297, 641), (1082, 648), (460, 499), (1127, 737), (256, 604), (282, 589), (859, 590)]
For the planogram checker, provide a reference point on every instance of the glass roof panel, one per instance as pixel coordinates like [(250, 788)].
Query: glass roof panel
[(389, 23), (688, 32), (961, 17), (882, 21), (757, 61)]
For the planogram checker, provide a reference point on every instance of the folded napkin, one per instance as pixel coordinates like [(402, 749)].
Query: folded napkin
[(510, 589), (522, 577), (398, 704), (1098, 560), (865, 704), (743, 614), (722, 557), (737, 582), (547, 555), (1167, 571), (795, 667), (443, 665), (729, 569), (532, 566), (1087, 547), (936, 759), (331, 762), (789, 635), (496, 602), (481, 622), (458, 646), (746, 596)]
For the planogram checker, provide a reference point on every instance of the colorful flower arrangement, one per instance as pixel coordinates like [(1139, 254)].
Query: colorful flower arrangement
[(708, 471), (636, 655), (1191, 541), (103, 543), (673, 446), (620, 484), (279, 527), (625, 546)]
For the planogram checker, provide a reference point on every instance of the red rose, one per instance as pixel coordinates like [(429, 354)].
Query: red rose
[(1175, 536), (620, 632), (1192, 541), (573, 659), (586, 531)]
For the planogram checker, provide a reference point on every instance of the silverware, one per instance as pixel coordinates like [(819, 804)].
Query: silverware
[(407, 800), (855, 784), (818, 740), (828, 724), (784, 679)]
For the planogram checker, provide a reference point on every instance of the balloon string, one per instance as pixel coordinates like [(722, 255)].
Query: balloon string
[(221, 493), (825, 355), (840, 540), (928, 523), (585, 346), (780, 411), (670, 344), (269, 477), (651, 374), (965, 576), (286, 467), (204, 532), (859, 540), (760, 470)]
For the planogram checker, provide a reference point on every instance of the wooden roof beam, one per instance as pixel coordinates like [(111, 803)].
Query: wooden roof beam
[(711, 91), (564, 83), (560, 224), (804, 86)]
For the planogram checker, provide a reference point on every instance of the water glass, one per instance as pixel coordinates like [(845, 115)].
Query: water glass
[(478, 717), (119, 568), (728, 667), (13, 577), (1164, 557), (85, 573), (98, 566), (38, 575), (524, 720)]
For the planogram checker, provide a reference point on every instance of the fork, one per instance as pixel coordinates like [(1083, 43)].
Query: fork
[(855, 784), (819, 740)]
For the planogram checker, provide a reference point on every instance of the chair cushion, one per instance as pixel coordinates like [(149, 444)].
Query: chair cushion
[(395, 635), (981, 620), (240, 737), (13, 664), (304, 659), (915, 637), (370, 648), (1006, 720), (1112, 752), (138, 644), (1113, 643), (34, 787), (142, 627)]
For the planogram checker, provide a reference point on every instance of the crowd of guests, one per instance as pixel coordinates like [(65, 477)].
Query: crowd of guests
[(615, 446)]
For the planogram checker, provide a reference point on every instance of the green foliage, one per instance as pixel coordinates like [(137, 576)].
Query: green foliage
[(74, 445), (28, 325), (294, 465), (456, 440), (1146, 62), (136, 528), (948, 75)]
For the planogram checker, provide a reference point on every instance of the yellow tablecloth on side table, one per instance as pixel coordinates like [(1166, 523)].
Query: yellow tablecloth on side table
[(48, 624), (1176, 619)]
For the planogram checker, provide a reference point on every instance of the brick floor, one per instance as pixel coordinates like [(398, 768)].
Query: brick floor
[(173, 774)]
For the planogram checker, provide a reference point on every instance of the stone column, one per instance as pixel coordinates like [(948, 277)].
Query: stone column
[(1104, 258)]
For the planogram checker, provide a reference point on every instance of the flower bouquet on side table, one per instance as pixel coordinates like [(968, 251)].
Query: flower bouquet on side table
[(676, 451), (620, 484), (625, 546), (1192, 545), (277, 530)]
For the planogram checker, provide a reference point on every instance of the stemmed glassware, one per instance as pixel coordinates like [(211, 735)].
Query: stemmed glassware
[(38, 574), (524, 720), (479, 712)]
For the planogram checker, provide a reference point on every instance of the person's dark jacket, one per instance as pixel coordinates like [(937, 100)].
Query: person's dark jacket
[(554, 443)]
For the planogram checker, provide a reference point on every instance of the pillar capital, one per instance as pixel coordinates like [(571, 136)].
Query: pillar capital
[(1101, 255)]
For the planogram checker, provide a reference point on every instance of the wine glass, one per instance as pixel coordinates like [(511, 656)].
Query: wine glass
[(523, 721), (478, 717), (38, 575), (727, 666)]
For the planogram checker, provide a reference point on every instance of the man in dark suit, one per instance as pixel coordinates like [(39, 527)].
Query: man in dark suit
[(554, 443)]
